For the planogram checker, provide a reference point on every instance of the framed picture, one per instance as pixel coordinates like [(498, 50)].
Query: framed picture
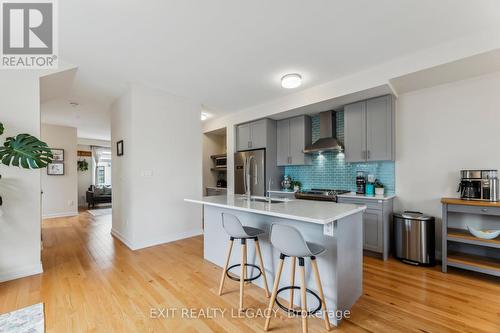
[(119, 148), (55, 169), (58, 155)]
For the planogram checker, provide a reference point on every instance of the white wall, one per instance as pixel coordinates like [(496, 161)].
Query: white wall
[(60, 193), (440, 131), (161, 166), (84, 177), (20, 225)]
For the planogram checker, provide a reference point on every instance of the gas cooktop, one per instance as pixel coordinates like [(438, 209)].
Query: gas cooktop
[(320, 194)]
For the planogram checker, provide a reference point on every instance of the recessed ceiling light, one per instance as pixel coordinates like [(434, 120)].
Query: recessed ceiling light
[(291, 81), (204, 116)]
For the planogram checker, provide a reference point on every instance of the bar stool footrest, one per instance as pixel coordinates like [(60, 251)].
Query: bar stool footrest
[(295, 312), (247, 279)]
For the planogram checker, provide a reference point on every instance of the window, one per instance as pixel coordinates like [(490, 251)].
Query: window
[(101, 176)]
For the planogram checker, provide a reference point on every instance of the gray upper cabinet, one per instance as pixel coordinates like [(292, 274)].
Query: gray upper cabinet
[(283, 142), (251, 135), (258, 134), (355, 132), (369, 130), (293, 135), (243, 137)]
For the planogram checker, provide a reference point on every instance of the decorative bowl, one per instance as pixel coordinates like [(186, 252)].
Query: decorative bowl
[(487, 234)]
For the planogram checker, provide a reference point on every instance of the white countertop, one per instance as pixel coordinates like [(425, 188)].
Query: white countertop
[(362, 196), (319, 212)]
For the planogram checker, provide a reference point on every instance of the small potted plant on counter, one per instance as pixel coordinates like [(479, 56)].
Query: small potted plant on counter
[(379, 187), (296, 185)]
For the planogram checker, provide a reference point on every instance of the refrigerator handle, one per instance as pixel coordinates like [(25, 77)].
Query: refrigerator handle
[(256, 173), (245, 175)]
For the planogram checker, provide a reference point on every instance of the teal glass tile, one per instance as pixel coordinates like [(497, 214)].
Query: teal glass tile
[(329, 170)]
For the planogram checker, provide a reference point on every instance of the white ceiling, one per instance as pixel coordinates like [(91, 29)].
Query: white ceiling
[(229, 55), (92, 120)]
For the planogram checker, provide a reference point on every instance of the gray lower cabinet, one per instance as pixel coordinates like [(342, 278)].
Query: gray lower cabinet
[(252, 135), (293, 135), (376, 223), (372, 230), (369, 130)]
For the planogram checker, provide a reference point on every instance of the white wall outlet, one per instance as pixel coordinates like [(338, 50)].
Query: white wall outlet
[(329, 229), (71, 203)]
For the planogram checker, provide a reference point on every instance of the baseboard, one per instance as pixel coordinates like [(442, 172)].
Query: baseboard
[(163, 240), (122, 239), (169, 238), (21, 272), (56, 215)]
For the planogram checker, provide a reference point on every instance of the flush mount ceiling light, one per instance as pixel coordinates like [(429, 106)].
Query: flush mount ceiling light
[(291, 81), (204, 116)]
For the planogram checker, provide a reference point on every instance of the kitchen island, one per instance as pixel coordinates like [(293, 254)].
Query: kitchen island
[(337, 227)]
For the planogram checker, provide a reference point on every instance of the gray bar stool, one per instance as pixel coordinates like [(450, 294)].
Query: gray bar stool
[(236, 230), (291, 244)]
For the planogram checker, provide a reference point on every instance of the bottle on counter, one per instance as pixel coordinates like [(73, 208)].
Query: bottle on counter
[(370, 185), (360, 182)]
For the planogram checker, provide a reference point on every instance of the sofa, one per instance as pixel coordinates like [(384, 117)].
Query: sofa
[(98, 195)]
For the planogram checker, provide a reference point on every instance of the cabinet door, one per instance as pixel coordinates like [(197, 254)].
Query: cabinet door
[(243, 137), (379, 129), (283, 142), (372, 230), (298, 140), (258, 134), (355, 132)]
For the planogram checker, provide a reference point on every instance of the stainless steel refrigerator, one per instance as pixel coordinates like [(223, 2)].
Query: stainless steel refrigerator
[(250, 172)]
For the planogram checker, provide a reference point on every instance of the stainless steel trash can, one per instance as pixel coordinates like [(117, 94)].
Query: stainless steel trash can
[(414, 238)]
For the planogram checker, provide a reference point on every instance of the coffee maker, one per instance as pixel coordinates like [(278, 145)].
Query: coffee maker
[(479, 185)]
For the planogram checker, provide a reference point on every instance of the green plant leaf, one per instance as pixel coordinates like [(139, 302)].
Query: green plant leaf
[(1, 128), (25, 151)]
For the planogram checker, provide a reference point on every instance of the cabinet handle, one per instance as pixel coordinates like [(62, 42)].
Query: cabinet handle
[(249, 144), (367, 154), (290, 160), (484, 210)]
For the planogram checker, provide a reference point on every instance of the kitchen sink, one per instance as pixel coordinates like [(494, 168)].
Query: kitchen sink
[(264, 199)]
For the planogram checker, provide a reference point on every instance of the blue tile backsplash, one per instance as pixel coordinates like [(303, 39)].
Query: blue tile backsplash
[(329, 170)]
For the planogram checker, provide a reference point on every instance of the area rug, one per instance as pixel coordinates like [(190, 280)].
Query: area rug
[(100, 212), (25, 320)]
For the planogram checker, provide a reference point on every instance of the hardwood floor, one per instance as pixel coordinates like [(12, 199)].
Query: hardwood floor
[(93, 283)]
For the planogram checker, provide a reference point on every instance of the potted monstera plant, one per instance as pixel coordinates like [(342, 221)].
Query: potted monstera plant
[(24, 151)]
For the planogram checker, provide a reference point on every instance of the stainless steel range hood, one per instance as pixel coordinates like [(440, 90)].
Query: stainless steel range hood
[(328, 135)]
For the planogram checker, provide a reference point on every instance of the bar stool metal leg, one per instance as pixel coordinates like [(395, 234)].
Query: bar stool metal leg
[(275, 292), (292, 281), (243, 273), (259, 254), (314, 265), (223, 277), (303, 294)]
